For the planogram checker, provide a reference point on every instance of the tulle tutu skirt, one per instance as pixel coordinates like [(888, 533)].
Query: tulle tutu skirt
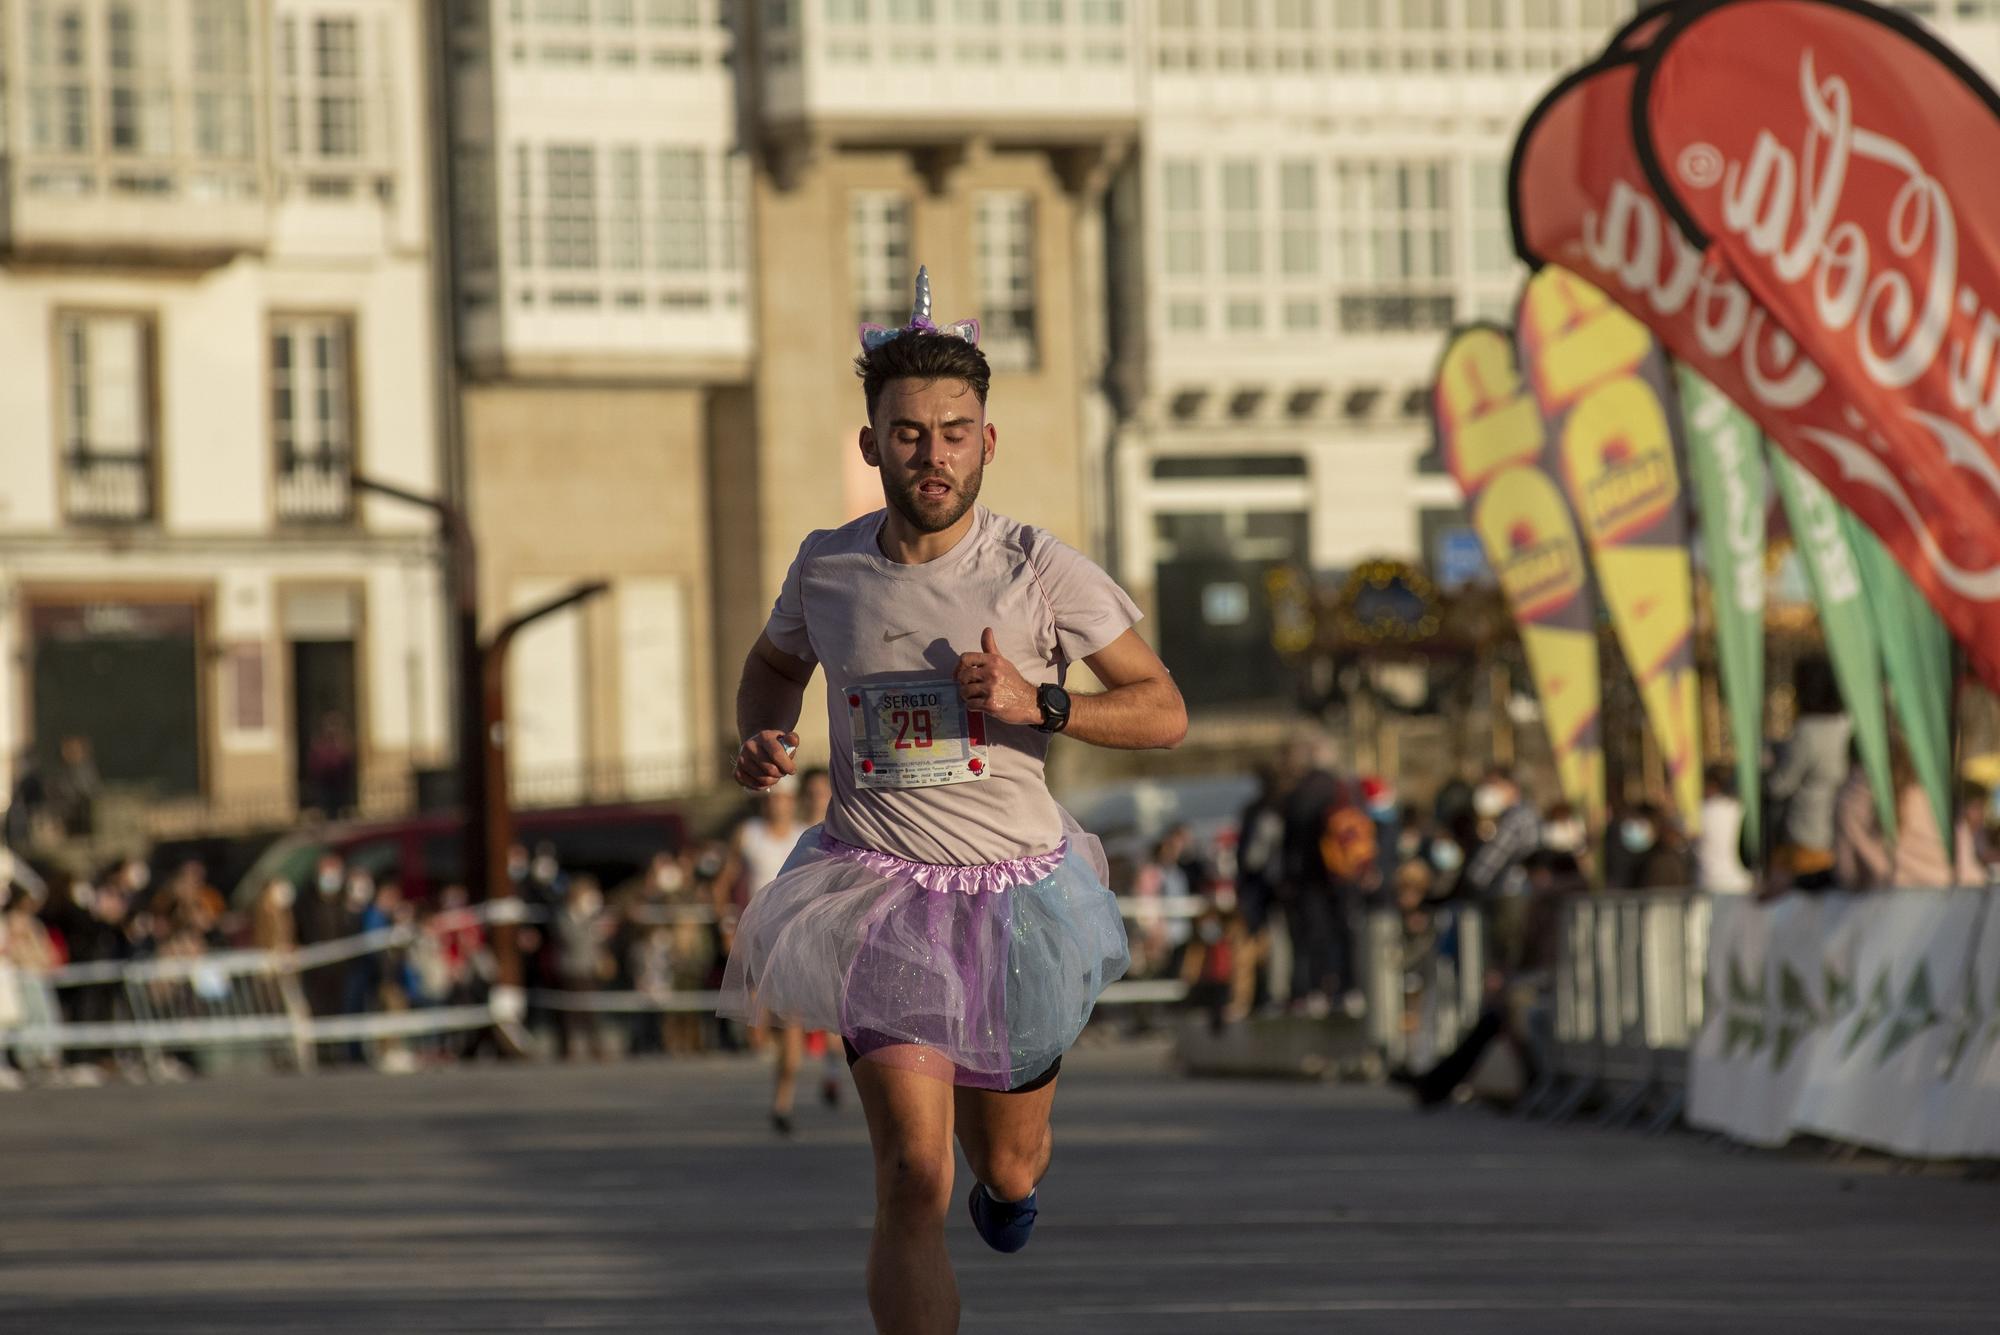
[(981, 975)]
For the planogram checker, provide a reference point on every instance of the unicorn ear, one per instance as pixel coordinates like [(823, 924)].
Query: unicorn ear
[(965, 329), (874, 336)]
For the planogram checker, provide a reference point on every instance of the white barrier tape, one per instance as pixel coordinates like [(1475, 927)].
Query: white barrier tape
[(233, 963), (252, 1029), (1164, 992)]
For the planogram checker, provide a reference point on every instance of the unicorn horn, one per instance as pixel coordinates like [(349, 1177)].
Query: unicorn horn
[(920, 314)]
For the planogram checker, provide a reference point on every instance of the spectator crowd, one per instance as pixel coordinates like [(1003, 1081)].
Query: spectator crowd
[(1266, 917)]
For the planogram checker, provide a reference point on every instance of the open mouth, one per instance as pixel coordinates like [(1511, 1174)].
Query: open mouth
[(933, 490)]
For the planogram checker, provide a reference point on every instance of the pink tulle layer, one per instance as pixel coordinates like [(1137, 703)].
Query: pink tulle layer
[(936, 972), (984, 878)]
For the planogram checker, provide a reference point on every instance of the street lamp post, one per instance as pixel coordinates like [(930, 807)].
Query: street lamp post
[(474, 792), (498, 829)]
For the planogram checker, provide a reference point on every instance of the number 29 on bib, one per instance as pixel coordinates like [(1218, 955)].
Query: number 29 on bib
[(915, 735)]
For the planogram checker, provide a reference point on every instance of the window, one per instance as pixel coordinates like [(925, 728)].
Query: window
[(681, 225), (878, 237), (322, 111), (1302, 315), (1006, 248), (105, 422), (1187, 316), (1298, 204), (312, 417), (1598, 17), (478, 249), (337, 74), (140, 116), (673, 13), (569, 226), (623, 246), (59, 118), (224, 115), (1395, 244), (1183, 218), (1242, 241), (524, 207), (730, 223), (1246, 314), (1486, 34), (1492, 238), (847, 11)]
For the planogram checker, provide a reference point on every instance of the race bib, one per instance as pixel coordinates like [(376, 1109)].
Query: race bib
[(915, 734)]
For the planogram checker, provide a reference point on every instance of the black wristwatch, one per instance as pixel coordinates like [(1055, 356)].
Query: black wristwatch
[(1054, 701)]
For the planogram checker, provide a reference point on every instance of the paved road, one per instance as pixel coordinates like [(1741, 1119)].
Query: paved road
[(650, 1197)]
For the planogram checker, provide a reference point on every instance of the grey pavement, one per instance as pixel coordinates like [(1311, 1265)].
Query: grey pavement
[(652, 1197)]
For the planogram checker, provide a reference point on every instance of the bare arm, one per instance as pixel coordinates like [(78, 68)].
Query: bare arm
[(1139, 709), (768, 701)]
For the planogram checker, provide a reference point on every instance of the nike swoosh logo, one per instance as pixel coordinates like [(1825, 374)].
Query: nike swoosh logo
[(888, 638)]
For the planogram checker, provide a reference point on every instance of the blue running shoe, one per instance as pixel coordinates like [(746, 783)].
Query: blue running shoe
[(1005, 1227)]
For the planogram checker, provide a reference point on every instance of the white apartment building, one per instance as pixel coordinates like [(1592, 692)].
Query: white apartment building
[(603, 303), (215, 307), (1320, 197)]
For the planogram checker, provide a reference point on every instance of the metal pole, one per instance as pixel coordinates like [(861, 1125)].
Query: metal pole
[(498, 827), (462, 583)]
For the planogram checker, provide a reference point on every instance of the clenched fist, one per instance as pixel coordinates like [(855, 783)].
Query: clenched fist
[(766, 757), (995, 686)]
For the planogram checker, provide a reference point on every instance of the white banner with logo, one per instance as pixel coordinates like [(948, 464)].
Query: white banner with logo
[(1872, 1019)]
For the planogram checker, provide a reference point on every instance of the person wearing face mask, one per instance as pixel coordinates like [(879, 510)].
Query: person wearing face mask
[(1496, 875), (1651, 845)]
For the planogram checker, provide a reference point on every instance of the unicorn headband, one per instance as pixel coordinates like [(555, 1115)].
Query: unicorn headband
[(874, 336)]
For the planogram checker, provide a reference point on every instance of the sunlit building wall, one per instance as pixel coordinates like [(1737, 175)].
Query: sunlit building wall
[(603, 291), (215, 308)]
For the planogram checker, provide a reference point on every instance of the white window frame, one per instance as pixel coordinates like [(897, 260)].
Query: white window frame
[(1005, 225), (881, 226), (106, 479), (313, 416)]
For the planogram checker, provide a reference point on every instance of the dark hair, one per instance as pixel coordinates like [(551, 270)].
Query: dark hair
[(806, 776), (1722, 778), (924, 357)]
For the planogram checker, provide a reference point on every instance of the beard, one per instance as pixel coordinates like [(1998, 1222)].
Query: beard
[(934, 516)]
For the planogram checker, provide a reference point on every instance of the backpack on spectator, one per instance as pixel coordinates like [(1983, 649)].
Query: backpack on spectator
[(1347, 843)]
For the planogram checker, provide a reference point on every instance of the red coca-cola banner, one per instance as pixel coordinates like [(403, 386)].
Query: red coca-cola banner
[(1843, 161), (1582, 198)]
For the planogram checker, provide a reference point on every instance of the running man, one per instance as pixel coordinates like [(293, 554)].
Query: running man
[(949, 919)]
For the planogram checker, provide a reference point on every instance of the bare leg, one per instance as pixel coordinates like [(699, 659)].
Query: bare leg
[(1006, 1138), (791, 1055), (911, 1289)]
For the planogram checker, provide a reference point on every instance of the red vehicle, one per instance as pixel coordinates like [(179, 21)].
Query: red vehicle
[(423, 853)]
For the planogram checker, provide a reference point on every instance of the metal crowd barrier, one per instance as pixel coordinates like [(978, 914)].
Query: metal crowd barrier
[(1627, 1005), (252, 1000), (1420, 1005)]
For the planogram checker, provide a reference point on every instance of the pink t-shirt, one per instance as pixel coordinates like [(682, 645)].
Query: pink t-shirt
[(914, 773)]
